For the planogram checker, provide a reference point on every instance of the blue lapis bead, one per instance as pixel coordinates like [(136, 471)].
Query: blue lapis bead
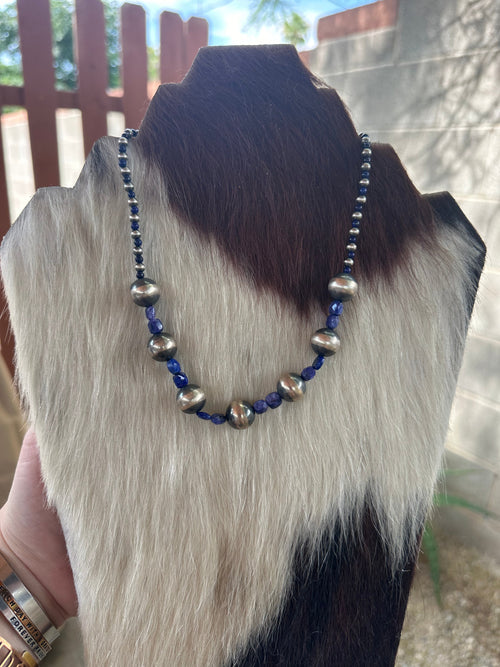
[(308, 373), (127, 178), (318, 362), (273, 400), (355, 223), (139, 275), (131, 194), (365, 174), (332, 321), (134, 210), (336, 307), (138, 258), (150, 312), (351, 254), (217, 418), (137, 243), (353, 239), (203, 415), (260, 407), (358, 207), (347, 269), (122, 162), (363, 190), (134, 225), (180, 380), (173, 366), (122, 148), (155, 326)]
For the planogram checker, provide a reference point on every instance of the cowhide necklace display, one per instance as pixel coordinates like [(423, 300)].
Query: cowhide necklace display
[(325, 342)]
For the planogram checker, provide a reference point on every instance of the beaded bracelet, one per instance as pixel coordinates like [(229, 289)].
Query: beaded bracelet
[(325, 342)]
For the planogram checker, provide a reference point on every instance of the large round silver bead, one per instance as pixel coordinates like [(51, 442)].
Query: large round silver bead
[(240, 415), (191, 398), (342, 287), (162, 347), (145, 292), (325, 342), (291, 387)]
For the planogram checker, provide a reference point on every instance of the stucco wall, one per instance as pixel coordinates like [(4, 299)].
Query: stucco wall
[(429, 85)]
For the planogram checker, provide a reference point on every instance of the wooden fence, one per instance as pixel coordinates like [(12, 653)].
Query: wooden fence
[(179, 43)]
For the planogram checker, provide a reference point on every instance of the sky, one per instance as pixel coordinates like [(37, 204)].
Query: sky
[(227, 18)]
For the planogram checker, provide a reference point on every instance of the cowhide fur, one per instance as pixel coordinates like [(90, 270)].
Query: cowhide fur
[(291, 543)]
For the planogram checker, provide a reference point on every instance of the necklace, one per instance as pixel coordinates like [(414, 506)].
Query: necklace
[(325, 342)]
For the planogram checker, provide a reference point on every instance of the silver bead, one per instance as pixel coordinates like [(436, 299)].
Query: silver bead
[(133, 217), (354, 231), (325, 342), (356, 215), (364, 181), (291, 387), (139, 267), (133, 202), (145, 292), (366, 151), (128, 186), (240, 415), (191, 399), (366, 166), (349, 262), (352, 247), (122, 140), (342, 287), (125, 170), (122, 156), (361, 199), (135, 234), (162, 347), (137, 251)]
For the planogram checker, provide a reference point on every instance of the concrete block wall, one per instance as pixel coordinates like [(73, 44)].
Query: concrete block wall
[(429, 85)]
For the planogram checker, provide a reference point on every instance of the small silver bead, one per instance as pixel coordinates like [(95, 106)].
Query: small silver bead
[(135, 234), (366, 151), (162, 347), (125, 170), (122, 140), (342, 287), (291, 387), (133, 202), (361, 199), (356, 215), (325, 342), (364, 181), (354, 231), (122, 156), (139, 267), (128, 186), (352, 247), (137, 251), (145, 292), (134, 217), (240, 415), (191, 398), (366, 166), (349, 262)]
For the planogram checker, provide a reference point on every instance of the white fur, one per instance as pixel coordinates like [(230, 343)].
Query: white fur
[(180, 533)]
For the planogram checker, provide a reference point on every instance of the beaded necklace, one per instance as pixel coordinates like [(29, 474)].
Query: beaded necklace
[(325, 342)]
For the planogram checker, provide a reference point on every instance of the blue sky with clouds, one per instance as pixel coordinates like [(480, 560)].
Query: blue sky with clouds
[(227, 18)]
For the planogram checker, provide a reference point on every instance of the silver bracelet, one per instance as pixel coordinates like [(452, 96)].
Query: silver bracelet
[(29, 605), (16, 624)]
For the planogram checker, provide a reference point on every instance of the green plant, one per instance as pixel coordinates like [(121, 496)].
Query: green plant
[(429, 542)]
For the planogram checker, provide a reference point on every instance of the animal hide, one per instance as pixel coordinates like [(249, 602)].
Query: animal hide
[(291, 543)]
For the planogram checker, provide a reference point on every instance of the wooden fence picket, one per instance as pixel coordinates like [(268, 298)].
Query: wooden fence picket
[(134, 63)]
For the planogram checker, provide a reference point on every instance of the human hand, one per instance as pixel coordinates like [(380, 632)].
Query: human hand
[(32, 541)]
